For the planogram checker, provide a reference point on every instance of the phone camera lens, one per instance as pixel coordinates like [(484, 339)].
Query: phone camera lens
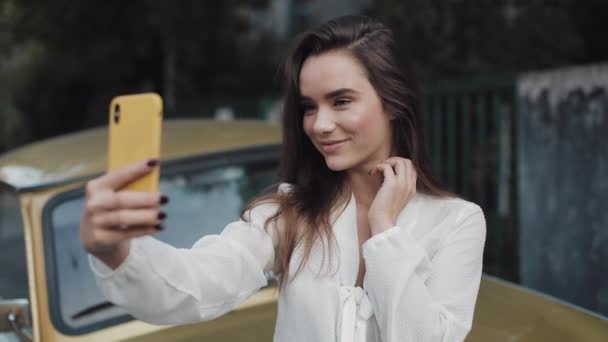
[(116, 113)]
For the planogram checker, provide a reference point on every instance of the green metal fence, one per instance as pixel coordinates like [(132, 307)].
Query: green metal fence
[(470, 130)]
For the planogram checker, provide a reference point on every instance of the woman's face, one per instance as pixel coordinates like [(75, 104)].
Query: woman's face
[(343, 115)]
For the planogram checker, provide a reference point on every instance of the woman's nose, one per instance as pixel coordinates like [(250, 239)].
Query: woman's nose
[(324, 123)]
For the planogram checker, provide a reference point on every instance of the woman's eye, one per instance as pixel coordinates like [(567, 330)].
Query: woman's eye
[(307, 109), (342, 102)]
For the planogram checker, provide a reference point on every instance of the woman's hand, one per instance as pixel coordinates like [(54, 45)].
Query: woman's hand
[(112, 216), (398, 187)]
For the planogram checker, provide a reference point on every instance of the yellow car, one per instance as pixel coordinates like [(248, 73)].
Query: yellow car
[(209, 170)]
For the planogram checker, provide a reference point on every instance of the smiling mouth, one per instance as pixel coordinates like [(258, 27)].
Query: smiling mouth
[(333, 146)]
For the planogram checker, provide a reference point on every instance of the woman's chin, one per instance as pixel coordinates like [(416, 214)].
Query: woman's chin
[(335, 163)]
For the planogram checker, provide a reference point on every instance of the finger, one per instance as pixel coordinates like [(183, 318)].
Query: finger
[(402, 172), (127, 199), (129, 218), (377, 168), (109, 200), (387, 172), (399, 165), (395, 159), (122, 177), (132, 229), (101, 201), (133, 233), (413, 176)]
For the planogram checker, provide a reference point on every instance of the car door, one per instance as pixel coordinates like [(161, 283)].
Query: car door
[(206, 192)]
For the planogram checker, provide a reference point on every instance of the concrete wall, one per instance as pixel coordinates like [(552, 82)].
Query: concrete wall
[(563, 183)]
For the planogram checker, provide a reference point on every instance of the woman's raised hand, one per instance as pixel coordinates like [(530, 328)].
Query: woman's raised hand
[(113, 216), (397, 189)]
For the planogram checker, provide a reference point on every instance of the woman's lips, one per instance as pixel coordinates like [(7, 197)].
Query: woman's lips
[(332, 146)]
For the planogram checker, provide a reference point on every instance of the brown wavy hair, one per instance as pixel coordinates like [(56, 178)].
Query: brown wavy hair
[(305, 212)]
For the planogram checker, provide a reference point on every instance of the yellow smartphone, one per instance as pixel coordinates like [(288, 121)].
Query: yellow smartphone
[(135, 127)]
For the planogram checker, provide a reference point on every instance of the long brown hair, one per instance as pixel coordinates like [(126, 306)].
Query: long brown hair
[(305, 212)]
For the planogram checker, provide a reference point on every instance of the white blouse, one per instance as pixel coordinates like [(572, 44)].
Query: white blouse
[(421, 281)]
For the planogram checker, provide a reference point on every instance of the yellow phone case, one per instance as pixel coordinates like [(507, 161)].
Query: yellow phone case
[(136, 135)]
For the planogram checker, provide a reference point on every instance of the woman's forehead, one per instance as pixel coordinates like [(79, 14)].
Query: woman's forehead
[(330, 71)]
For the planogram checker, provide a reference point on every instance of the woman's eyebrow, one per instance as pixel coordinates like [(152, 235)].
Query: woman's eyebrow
[(332, 94), (340, 92)]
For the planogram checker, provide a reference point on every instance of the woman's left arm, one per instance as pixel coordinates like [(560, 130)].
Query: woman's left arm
[(418, 299), (414, 298)]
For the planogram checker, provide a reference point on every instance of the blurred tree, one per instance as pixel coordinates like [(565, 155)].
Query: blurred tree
[(15, 65), (591, 23), (68, 58), (452, 38), (97, 49)]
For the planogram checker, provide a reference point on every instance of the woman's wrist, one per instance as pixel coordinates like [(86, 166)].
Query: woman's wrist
[(115, 257)]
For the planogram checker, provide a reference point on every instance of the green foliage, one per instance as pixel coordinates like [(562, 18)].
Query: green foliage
[(15, 65), (94, 50), (62, 61), (454, 38)]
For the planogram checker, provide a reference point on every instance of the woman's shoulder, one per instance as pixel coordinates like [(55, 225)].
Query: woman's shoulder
[(267, 205), (444, 209), (440, 218), (447, 204)]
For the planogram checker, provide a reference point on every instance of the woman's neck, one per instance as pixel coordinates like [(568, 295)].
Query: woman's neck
[(363, 186)]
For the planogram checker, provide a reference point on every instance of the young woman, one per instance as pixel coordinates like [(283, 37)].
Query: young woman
[(366, 245)]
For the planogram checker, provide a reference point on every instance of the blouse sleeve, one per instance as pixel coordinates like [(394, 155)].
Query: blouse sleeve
[(418, 299), (161, 284)]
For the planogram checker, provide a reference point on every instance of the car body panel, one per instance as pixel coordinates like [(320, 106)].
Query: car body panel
[(83, 154), (508, 312), (60, 164)]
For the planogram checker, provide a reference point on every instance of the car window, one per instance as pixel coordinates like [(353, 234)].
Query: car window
[(202, 201)]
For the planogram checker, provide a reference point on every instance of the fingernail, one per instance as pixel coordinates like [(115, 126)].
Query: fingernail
[(159, 227), (152, 162), (164, 199), (162, 215)]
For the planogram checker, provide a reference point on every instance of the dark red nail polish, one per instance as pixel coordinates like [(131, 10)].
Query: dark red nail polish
[(159, 227), (164, 199), (162, 215), (152, 162)]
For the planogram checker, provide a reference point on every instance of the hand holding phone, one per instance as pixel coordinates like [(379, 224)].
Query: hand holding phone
[(125, 203)]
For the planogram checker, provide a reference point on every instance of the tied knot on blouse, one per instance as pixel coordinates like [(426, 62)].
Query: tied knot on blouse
[(356, 312)]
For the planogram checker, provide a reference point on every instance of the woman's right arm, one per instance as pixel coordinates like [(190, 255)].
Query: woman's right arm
[(156, 282)]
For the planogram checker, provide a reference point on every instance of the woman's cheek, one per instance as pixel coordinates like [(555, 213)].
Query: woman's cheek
[(307, 125), (361, 123)]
